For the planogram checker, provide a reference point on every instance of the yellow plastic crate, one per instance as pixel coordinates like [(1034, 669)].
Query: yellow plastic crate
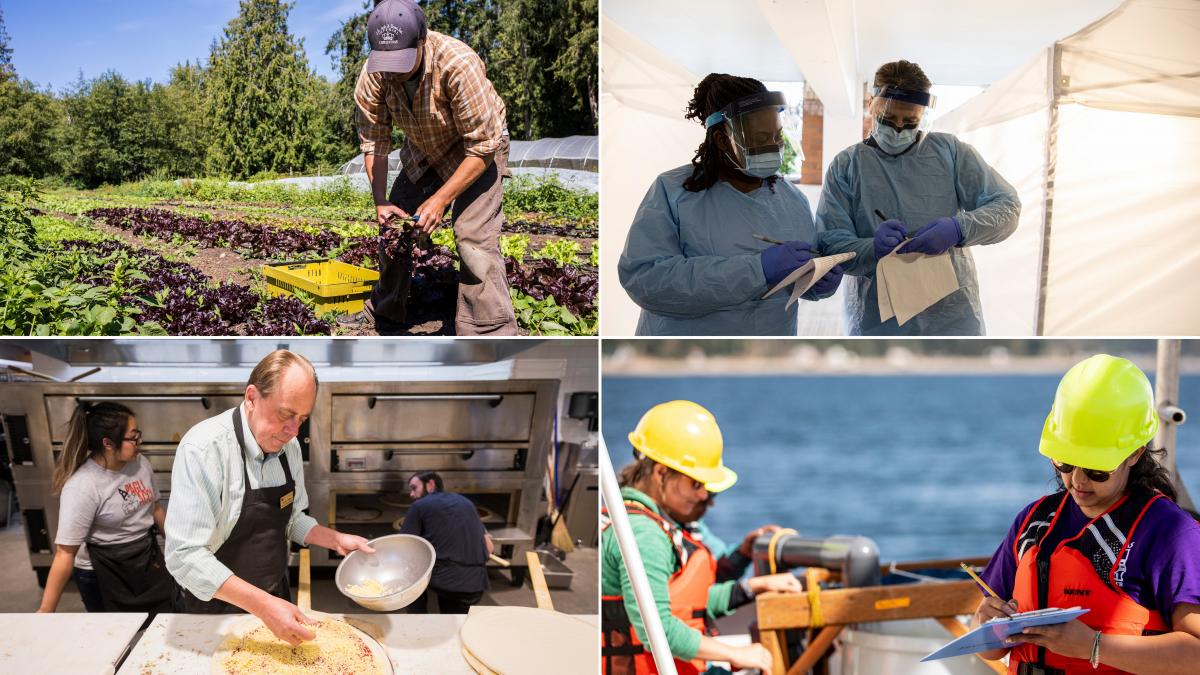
[(335, 286)]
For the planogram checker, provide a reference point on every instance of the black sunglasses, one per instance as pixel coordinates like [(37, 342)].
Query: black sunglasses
[(1092, 474)]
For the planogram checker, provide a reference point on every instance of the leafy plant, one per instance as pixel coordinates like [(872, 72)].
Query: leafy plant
[(546, 317), (16, 217), (573, 289), (561, 251), (444, 236), (514, 246), (547, 195)]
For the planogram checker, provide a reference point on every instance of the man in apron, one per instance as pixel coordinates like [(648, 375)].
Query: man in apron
[(237, 498)]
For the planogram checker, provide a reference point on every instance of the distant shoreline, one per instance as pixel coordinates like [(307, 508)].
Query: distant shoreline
[(808, 366)]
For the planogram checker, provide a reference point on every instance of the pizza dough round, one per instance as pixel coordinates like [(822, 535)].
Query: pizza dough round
[(529, 641), (250, 647)]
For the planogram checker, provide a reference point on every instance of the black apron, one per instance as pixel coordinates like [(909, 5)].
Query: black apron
[(257, 548), (133, 576)]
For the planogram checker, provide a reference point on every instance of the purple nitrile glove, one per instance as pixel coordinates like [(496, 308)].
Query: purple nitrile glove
[(827, 284), (780, 260), (937, 237), (888, 236)]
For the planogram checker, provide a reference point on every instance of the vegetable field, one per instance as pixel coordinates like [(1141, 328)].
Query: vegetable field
[(185, 258)]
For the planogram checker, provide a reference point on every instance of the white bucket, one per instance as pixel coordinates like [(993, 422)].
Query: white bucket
[(897, 647)]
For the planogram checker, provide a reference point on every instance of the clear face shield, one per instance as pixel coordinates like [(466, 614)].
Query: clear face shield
[(755, 130), (898, 117)]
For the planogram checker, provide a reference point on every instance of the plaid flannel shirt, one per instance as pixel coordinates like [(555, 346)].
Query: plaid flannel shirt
[(455, 113)]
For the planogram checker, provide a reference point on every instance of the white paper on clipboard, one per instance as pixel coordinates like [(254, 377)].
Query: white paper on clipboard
[(992, 634), (910, 283), (804, 276)]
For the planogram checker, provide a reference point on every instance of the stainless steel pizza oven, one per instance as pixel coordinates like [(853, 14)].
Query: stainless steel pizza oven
[(488, 440)]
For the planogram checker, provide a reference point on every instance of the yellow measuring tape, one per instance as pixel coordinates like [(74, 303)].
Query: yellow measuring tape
[(815, 620), (814, 586), (771, 546)]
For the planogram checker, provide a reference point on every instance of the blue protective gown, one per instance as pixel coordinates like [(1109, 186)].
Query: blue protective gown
[(942, 177), (692, 264)]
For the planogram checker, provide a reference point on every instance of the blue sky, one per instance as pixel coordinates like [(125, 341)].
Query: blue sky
[(53, 41)]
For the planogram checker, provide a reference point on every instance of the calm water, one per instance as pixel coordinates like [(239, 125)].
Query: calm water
[(928, 467)]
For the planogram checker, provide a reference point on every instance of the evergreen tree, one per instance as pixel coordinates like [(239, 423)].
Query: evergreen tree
[(348, 49), (472, 21), (6, 52), (30, 124), (110, 135), (544, 64), (30, 120), (260, 98), (181, 122), (577, 66)]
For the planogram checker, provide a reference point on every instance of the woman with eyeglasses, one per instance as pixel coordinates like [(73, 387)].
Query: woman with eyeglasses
[(1112, 540), (108, 502)]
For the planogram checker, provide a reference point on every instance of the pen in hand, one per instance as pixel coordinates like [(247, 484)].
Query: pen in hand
[(907, 234), (981, 582), (766, 239)]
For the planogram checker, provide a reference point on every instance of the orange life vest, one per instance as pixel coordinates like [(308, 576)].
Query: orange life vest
[(1087, 570), (621, 651)]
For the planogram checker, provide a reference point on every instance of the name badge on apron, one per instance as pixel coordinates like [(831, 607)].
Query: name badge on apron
[(287, 499)]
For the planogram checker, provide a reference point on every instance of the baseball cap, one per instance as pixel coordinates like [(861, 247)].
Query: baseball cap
[(394, 29)]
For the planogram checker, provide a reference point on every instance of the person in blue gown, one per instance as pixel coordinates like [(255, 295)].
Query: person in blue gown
[(692, 261), (904, 182)]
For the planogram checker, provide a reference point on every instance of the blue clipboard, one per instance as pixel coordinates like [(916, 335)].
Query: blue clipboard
[(992, 634)]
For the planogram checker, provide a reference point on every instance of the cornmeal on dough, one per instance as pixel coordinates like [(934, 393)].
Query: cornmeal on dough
[(338, 648)]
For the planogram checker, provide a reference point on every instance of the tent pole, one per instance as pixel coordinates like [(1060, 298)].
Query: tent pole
[(611, 491), (1054, 75), (1166, 399)]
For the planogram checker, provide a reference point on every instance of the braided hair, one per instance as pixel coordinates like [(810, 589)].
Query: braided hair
[(714, 92)]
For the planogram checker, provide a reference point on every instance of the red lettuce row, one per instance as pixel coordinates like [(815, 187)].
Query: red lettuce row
[(184, 301), (256, 239), (434, 274)]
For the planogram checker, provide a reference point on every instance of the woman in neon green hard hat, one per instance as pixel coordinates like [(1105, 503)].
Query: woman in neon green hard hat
[(678, 463), (1111, 540)]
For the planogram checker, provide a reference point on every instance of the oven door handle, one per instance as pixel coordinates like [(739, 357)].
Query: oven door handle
[(466, 454), (203, 400), (493, 399)]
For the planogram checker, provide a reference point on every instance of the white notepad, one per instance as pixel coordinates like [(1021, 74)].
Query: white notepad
[(804, 276)]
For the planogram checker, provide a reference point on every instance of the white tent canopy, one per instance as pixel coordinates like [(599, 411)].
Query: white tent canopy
[(579, 153), (574, 161), (576, 153), (1098, 134), (356, 166), (656, 52)]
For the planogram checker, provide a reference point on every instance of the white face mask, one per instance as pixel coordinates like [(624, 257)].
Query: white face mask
[(760, 165), (763, 165), (892, 141)]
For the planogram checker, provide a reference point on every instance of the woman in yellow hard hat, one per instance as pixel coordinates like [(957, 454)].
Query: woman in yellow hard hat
[(678, 464), (1111, 540)]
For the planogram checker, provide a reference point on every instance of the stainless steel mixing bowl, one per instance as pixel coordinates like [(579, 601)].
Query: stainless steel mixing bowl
[(402, 562)]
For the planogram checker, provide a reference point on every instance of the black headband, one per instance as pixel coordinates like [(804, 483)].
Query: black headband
[(906, 95)]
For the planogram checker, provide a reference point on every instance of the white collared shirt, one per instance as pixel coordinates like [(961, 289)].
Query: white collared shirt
[(206, 498)]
